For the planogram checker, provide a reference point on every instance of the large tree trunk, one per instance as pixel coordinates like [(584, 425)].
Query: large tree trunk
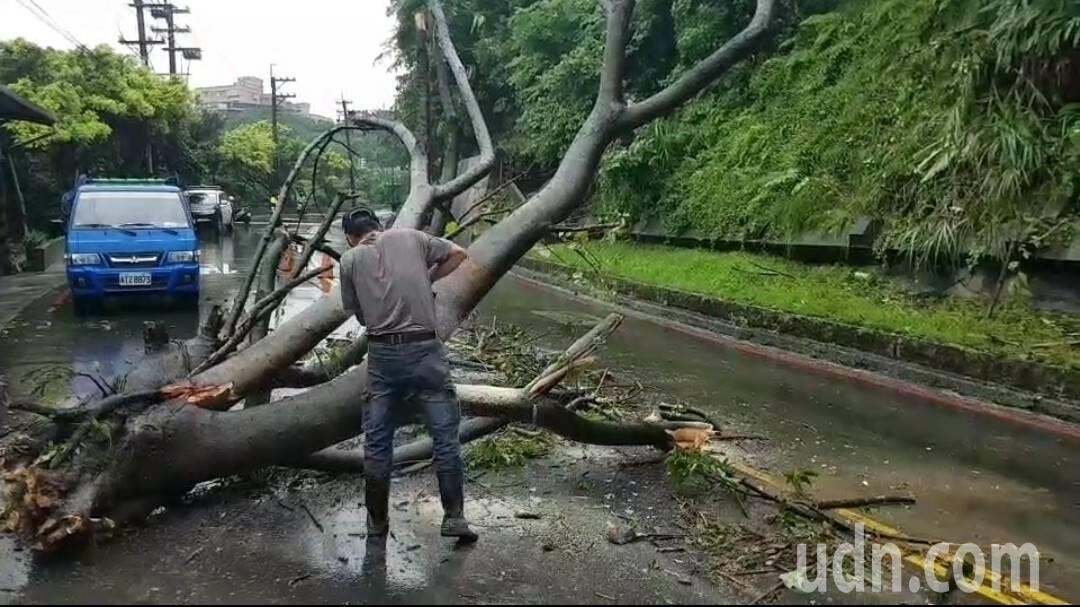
[(163, 449)]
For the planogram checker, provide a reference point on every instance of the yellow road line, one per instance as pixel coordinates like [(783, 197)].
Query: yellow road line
[(1023, 595)]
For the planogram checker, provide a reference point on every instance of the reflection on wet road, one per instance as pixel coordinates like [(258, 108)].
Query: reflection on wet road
[(108, 343), (977, 478)]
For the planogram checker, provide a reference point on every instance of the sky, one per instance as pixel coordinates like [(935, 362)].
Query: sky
[(331, 47)]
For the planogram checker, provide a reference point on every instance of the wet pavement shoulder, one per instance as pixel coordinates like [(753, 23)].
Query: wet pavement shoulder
[(18, 291), (299, 538)]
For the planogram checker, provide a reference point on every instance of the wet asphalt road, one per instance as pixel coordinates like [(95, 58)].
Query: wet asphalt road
[(977, 479)]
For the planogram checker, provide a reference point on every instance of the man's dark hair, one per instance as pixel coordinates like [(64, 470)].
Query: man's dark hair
[(359, 222)]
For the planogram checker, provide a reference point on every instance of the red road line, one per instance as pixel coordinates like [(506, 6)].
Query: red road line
[(59, 302), (860, 376)]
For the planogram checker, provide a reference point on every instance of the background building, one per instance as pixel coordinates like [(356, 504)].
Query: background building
[(247, 92)]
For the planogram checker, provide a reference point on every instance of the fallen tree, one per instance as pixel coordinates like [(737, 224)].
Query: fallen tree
[(165, 440)]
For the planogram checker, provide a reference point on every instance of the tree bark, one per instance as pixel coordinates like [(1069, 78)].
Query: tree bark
[(340, 460), (440, 215), (479, 170)]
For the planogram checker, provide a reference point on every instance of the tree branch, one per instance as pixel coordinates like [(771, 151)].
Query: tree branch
[(491, 194), (420, 197), (339, 460), (275, 221), (482, 167), (465, 225), (704, 73), (268, 272), (295, 337), (314, 180), (320, 246), (619, 13), (445, 100), (259, 310), (519, 405), (324, 227)]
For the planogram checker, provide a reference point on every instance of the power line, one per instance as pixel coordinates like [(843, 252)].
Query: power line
[(43, 15), (65, 32)]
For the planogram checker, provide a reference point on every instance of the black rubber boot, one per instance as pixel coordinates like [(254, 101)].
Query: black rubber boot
[(377, 502), (452, 491)]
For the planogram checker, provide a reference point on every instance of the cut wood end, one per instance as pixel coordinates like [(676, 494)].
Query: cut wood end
[(207, 397), (691, 439)]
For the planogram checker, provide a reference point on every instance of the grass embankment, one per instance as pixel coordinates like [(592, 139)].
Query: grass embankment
[(837, 293)]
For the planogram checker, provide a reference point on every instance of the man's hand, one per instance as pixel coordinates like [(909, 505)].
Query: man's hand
[(448, 265)]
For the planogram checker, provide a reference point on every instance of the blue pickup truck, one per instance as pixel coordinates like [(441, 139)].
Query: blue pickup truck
[(130, 237)]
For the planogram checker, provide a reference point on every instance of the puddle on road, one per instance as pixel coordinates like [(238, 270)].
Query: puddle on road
[(107, 344)]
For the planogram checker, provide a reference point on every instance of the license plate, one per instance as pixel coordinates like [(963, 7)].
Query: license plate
[(134, 279)]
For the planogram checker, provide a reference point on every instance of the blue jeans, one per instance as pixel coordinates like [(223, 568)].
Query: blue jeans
[(397, 374)]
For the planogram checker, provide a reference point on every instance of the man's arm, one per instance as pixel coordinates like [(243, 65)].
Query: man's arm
[(349, 301), (443, 256), (450, 263)]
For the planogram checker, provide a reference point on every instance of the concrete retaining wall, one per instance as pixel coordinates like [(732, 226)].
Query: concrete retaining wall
[(41, 258)]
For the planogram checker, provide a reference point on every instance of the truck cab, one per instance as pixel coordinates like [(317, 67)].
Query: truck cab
[(129, 237)]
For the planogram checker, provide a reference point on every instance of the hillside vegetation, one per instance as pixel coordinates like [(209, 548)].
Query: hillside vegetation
[(954, 122)]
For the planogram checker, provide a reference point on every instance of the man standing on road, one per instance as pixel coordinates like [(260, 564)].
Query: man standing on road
[(386, 282)]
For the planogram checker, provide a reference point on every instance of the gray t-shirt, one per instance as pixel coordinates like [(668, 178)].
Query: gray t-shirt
[(386, 283)]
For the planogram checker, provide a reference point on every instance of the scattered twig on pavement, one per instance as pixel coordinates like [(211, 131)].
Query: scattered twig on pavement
[(758, 571), (737, 437), (727, 576), (772, 589), (296, 580), (643, 462), (314, 521), (859, 502)]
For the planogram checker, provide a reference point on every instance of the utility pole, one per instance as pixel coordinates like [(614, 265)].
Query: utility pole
[(275, 100), (167, 11), (144, 45), (142, 42), (348, 141)]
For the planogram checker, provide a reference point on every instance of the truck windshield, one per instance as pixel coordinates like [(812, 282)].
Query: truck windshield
[(150, 209)]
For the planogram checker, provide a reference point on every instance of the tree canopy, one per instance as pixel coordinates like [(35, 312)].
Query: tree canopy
[(113, 115)]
